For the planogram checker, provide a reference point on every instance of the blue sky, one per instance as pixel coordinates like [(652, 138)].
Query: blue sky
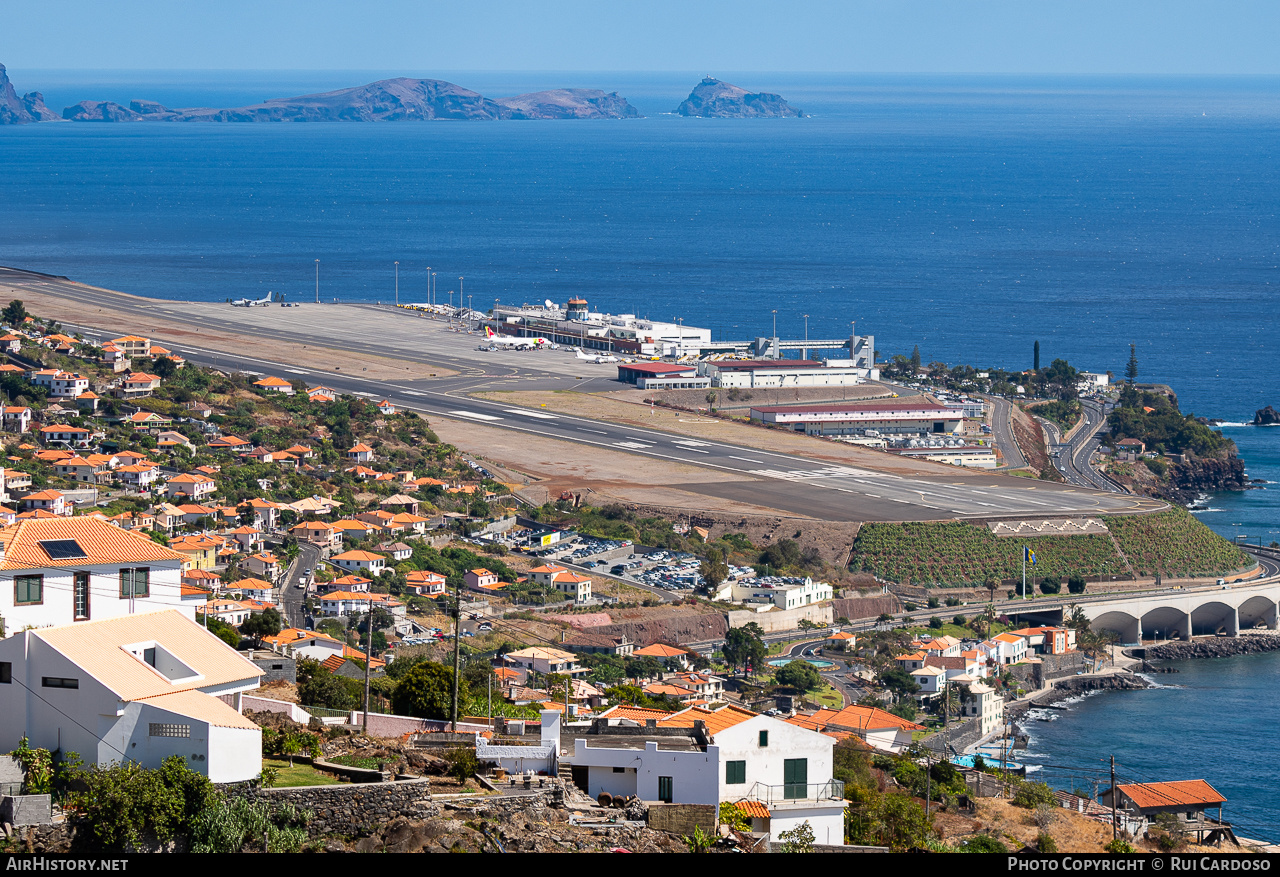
[(899, 36)]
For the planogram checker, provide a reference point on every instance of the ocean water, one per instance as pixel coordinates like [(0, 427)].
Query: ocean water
[(1213, 720), (971, 216)]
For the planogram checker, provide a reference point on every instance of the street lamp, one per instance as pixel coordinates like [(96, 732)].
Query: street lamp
[(435, 298), (451, 307), (775, 333), (397, 284), (806, 336), (680, 344), (468, 311), (317, 281)]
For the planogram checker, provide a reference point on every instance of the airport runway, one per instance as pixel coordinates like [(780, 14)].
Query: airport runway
[(783, 481)]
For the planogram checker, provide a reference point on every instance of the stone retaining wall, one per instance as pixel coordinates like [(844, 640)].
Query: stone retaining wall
[(351, 810)]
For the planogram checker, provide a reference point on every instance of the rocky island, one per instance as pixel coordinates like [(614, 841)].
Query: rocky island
[(1266, 417), (713, 99), (16, 110), (388, 100)]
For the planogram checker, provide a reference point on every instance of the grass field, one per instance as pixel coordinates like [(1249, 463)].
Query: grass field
[(299, 774)]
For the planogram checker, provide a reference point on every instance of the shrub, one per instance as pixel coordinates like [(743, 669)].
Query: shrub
[(1032, 795), (982, 843), (1050, 585), (1119, 845), (935, 622), (237, 825), (1076, 584), (463, 763), (958, 621), (1045, 843)]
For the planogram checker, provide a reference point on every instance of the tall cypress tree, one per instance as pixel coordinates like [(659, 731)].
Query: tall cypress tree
[(1036, 364), (1131, 370)]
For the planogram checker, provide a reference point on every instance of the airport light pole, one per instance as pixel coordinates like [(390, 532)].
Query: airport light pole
[(680, 346), (428, 284), (450, 307), (397, 284), (775, 333), (434, 297), (317, 281), (468, 311), (806, 337)]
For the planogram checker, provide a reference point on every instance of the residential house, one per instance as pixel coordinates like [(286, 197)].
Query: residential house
[(169, 440), (254, 590), (386, 408), (317, 533), (248, 538), (670, 656), (986, 705), (356, 561), (59, 570), (71, 436), (322, 394), (133, 345), (1186, 800), (877, 728), (191, 485), (139, 688), (265, 513), (572, 585), (355, 584), (139, 476), (275, 385), (426, 584), (264, 565), (60, 384), (543, 659), (706, 686), (229, 443), (51, 501), (304, 644), (360, 453), (137, 385), (11, 343), (199, 550), (232, 612), (396, 550), (17, 418), (1006, 648), (842, 641), (480, 578), (88, 401), (338, 604), (782, 771)]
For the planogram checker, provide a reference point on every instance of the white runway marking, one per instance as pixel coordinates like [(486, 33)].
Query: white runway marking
[(538, 414), (474, 415)]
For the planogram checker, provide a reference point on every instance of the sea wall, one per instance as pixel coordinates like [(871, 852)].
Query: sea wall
[(1212, 647)]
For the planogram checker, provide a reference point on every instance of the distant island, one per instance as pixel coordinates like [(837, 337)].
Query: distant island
[(388, 100), (713, 99)]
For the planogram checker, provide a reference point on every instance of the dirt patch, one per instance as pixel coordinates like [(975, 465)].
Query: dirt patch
[(1031, 441), (280, 689)]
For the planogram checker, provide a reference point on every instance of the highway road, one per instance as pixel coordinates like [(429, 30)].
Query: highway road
[(1002, 432), (1073, 459), (786, 482)]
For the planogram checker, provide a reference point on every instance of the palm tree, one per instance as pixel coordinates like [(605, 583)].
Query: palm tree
[(989, 615)]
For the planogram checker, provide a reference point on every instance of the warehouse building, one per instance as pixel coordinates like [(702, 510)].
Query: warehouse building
[(917, 416)]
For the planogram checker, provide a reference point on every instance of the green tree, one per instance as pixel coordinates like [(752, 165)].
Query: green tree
[(1131, 370), (743, 647), (800, 675), (1035, 357), (915, 359), (1050, 585), (266, 623), (426, 692), (798, 839), (14, 314), (898, 681), (1076, 584)]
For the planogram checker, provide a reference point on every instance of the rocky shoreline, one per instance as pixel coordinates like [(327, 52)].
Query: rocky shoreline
[(1065, 689), (1215, 647)]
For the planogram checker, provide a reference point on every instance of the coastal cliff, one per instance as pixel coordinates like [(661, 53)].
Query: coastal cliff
[(713, 99), (568, 103), (16, 110)]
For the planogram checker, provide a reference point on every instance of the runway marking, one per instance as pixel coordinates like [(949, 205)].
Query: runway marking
[(596, 431), (412, 393), (746, 460), (694, 450), (474, 415), (538, 414), (297, 371), (690, 443), (639, 446)]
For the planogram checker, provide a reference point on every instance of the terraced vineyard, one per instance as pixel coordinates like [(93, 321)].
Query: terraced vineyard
[(1173, 542)]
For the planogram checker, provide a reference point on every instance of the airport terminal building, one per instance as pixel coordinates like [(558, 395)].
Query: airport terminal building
[(888, 417)]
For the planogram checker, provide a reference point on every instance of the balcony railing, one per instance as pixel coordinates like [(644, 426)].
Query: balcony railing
[(831, 790)]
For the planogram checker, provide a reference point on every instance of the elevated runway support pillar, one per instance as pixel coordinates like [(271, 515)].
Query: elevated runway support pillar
[(1272, 618), (1135, 632), (1186, 629), (1233, 622)]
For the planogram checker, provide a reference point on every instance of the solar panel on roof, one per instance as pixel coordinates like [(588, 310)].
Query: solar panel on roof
[(62, 549)]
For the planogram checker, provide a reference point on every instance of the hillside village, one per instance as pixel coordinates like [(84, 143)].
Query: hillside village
[(231, 564)]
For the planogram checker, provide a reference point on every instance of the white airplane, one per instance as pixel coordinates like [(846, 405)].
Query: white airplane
[(500, 342), (248, 303), (599, 357)]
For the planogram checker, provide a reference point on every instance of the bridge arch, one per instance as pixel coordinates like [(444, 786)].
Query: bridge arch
[(1124, 623), (1214, 617), (1166, 622), (1258, 610)]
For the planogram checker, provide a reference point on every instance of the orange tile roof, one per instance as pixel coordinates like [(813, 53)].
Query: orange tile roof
[(251, 584), (1174, 794), (201, 706), (717, 720), (868, 718), (104, 543), (633, 713), (660, 650), (360, 448), (358, 555), (752, 809)]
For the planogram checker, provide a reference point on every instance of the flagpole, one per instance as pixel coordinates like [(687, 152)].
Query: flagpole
[(1024, 572)]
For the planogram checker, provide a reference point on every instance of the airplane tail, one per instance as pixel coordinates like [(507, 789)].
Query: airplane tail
[(488, 332)]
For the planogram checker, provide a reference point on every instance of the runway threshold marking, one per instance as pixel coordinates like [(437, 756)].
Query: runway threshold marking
[(596, 431), (537, 414), (474, 415), (639, 446)]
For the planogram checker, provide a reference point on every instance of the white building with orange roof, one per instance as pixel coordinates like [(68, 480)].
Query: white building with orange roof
[(52, 501), (232, 612), (264, 565), (360, 561), (355, 584), (190, 485), (876, 727), (479, 578), (59, 570), (842, 641), (303, 644), (317, 533), (253, 589), (386, 408), (137, 385), (133, 345), (139, 476), (1005, 648), (338, 604), (17, 418), (545, 660), (322, 394), (360, 453), (426, 584), (139, 688), (784, 771), (275, 385), (671, 656)]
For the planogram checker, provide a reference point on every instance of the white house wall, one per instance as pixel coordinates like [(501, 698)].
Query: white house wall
[(695, 775), (764, 763), (58, 604), (827, 822)]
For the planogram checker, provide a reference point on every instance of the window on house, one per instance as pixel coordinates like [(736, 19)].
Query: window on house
[(135, 582), (81, 596), (165, 729), (619, 770), (666, 790), (28, 589), (6, 672), (735, 773), (58, 682), (764, 738)]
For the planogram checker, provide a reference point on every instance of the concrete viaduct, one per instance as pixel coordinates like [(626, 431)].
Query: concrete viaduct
[(1173, 614)]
